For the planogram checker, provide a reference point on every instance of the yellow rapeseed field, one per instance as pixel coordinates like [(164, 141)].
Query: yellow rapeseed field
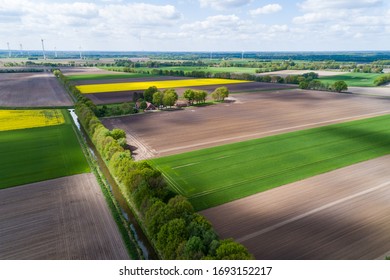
[(21, 119), (159, 84)]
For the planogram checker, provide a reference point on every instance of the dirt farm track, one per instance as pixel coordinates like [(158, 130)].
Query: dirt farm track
[(65, 218), (343, 214), (32, 90), (251, 115)]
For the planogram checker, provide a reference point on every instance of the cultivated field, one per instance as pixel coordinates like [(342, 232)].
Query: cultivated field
[(64, 218), (214, 176), (383, 91), (284, 73), (353, 79), (98, 76), (252, 115), (96, 88), (32, 90), (22, 119), (40, 153), (343, 214)]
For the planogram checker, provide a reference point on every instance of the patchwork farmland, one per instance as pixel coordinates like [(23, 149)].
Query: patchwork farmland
[(51, 207), (204, 176), (247, 116), (218, 175), (343, 214)]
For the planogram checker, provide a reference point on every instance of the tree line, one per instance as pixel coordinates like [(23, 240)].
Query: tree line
[(169, 220)]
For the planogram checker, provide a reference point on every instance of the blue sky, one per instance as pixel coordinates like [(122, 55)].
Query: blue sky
[(196, 25)]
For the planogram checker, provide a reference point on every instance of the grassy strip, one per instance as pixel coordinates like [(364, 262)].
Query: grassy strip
[(213, 176), (353, 79), (37, 154), (128, 237)]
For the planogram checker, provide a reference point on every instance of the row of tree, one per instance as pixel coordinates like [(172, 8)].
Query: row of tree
[(171, 224), (337, 86)]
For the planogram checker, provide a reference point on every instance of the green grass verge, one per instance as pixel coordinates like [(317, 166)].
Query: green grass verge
[(214, 176), (353, 79), (106, 76), (37, 154)]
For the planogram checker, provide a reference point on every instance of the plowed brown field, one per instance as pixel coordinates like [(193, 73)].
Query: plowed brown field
[(343, 214), (65, 218), (32, 90)]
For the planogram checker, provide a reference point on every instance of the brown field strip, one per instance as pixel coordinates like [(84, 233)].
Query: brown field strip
[(343, 214), (252, 115), (32, 90), (65, 218)]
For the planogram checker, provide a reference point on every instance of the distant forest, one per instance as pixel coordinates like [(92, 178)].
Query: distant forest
[(345, 56)]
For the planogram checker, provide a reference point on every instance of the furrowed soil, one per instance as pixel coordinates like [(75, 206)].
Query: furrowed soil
[(32, 90), (343, 214), (247, 116), (65, 218)]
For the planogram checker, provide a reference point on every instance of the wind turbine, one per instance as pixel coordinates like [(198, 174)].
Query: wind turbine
[(43, 50), (9, 50), (21, 49)]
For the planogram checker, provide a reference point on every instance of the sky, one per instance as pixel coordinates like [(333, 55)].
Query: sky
[(196, 25)]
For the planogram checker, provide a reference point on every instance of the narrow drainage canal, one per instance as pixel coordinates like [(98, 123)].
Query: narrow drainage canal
[(143, 242)]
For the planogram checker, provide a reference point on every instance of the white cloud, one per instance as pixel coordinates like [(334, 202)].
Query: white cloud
[(223, 4), (110, 18), (231, 28), (268, 9), (319, 5)]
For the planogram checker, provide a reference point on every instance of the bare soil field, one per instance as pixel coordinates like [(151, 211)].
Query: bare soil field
[(247, 116), (125, 96), (32, 90), (343, 214), (383, 91), (85, 70), (65, 218), (284, 73)]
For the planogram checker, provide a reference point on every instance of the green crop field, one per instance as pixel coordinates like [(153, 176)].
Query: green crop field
[(37, 154), (353, 79), (82, 77), (214, 176)]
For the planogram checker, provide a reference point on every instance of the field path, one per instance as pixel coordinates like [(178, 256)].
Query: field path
[(343, 214), (65, 218)]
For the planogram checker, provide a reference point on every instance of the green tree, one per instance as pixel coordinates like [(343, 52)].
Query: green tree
[(158, 99), (148, 93), (169, 238), (220, 93), (230, 250), (340, 86), (117, 133), (170, 97), (189, 94)]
